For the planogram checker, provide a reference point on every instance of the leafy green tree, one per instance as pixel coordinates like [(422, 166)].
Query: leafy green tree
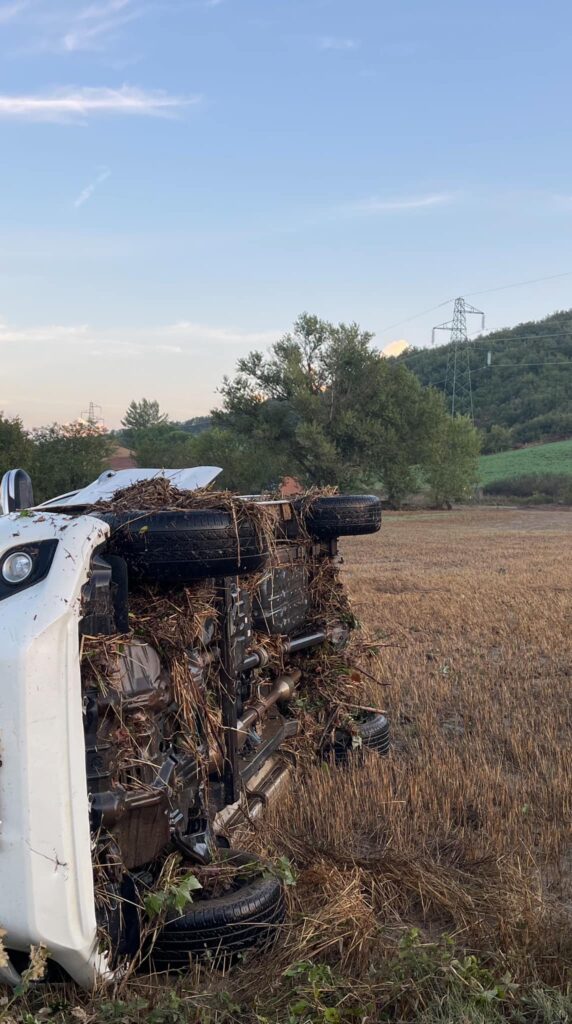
[(142, 415), (15, 445), (196, 425), (496, 439), (453, 463), (244, 468), (325, 407), (66, 457), (163, 446)]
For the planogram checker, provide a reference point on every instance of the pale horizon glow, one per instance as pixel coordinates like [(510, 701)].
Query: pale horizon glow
[(118, 364)]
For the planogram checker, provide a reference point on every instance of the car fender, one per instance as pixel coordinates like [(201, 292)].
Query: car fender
[(47, 893)]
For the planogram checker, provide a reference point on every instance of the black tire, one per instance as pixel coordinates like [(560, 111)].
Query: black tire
[(374, 734), (222, 927), (343, 515), (181, 546)]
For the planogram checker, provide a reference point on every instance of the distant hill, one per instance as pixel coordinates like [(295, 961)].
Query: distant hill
[(526, 393)]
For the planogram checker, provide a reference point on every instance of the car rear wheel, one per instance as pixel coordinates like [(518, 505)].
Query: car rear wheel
[(248, 915)]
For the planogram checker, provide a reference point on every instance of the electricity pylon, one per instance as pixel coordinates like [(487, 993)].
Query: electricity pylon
[(93, 415), (458, 386)]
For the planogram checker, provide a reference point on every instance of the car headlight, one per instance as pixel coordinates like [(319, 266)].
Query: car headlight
[(24, 566), (17, 567)]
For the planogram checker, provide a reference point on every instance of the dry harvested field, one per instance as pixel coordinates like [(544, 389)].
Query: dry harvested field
[(464, 830), (433, 885)]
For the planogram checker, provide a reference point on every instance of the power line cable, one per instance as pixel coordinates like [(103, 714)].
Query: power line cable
[(518, 284), (480, 340), (468, 295), (415, 316), (547, 362)]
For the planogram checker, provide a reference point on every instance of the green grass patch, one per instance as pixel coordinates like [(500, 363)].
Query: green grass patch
[(554, 458), (422, 982)]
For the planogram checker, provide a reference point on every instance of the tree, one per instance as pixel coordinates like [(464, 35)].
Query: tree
[(326, 408), (15, 445), (246, 468), (453, 465), (496, 439), (196, 425), (66, 457), (142, 415), (166, 447), (163, 446)]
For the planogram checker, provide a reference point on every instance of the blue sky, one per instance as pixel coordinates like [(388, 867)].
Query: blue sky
[(180, 179)]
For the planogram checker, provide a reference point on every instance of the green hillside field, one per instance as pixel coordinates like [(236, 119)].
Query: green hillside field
[(536, 459)]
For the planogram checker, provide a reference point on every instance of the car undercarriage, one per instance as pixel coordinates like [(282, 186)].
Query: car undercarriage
[(214, 639)]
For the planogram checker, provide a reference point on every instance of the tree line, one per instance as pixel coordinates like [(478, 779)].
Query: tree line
[(320, 406)]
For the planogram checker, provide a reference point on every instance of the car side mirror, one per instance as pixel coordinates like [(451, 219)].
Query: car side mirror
[(16, 491)]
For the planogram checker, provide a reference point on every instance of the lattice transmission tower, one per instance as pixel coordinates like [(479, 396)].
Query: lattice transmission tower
[(458, 386), (93, 416)]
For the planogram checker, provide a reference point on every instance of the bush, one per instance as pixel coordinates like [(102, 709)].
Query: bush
[(496, 439), (552, 426), (535, 487)]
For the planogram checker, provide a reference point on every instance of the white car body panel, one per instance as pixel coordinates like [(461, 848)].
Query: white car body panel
[(112, 481), (46, 892)]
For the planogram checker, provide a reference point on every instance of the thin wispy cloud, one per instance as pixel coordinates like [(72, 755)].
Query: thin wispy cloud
[(78, 105), (337, 43), (10, 11), (93, 25), (375, 205), (88, 191), (103, 10), (172, 339), (221, 335), (133, 350), (40, 335), (61, 26)]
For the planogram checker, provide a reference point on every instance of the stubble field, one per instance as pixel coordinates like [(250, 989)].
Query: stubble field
[(433, 885), (438, 881)]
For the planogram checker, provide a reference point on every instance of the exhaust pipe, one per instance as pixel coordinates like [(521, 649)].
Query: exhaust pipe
[(282, 690), (258, 658)]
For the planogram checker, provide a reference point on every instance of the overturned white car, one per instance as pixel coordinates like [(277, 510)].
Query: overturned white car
[(152, 635)]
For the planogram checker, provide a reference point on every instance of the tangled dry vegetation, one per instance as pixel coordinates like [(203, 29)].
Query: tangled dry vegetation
[(434, 885)]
